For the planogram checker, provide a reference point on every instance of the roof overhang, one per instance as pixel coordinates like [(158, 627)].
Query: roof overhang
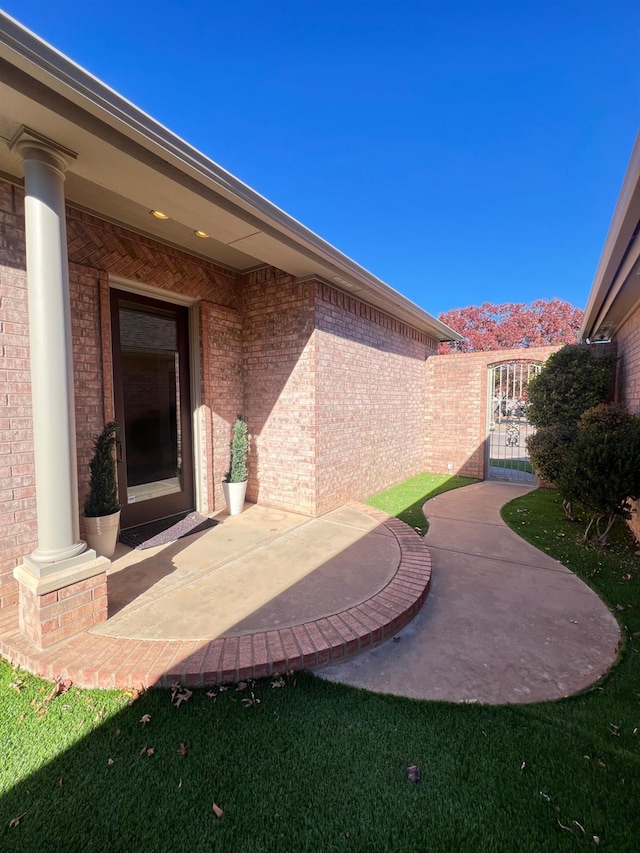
[(615, 292), (128, 164)]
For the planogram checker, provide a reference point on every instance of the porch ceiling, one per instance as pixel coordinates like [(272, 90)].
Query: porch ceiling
[(128, 165)]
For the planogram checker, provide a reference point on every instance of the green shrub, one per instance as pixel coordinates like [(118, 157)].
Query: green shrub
[(572, 380), (601, 470), (239, 448), (103, 487), (547, 448)]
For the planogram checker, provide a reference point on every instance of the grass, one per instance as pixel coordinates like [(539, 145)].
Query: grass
[(320, 767), (405, 501), (512, 464)]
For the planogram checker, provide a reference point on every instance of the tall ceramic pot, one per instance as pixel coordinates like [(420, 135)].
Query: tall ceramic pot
[(102, 533), (234, 494)]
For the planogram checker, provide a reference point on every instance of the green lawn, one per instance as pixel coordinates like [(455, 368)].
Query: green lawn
[(406, 500), (512, 464), (317, 766)]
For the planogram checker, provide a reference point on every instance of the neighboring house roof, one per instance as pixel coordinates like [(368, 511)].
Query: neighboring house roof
[(615, 292), (129, 164)]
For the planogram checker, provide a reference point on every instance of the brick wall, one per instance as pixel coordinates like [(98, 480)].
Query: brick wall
[(628, 381), (223, 392), (279, 402), (370, 400), (456, 410), (17, 485)]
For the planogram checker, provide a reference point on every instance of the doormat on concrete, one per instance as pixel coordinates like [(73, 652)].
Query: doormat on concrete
[(166, 530)]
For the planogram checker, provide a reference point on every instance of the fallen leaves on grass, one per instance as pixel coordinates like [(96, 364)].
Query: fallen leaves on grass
[(179, 694), (218, 812), (145, 718), (148, 750), (277, 681), (183, 749), (60, 686), (17, 685), (134, 694), (110, 762), (15, 821), (414, 773), (252, 701)]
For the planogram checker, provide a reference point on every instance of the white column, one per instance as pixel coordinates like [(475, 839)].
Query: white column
[(59, 543)]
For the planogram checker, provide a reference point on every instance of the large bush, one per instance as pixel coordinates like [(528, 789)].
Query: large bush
[(601, 469), (572, 380), (547, 448)]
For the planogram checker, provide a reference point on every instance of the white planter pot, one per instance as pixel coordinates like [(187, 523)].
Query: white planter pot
[(102, 533), (234, 496)]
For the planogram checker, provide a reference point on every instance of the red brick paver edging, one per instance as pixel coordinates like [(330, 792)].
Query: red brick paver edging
[(92, 660)]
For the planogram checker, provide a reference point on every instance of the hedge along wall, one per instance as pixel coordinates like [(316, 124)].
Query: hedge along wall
[(456, 409)]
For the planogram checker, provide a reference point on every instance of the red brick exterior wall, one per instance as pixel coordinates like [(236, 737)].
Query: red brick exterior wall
[(47, 619), (17, 485), (223, 395), (628, 381), (279, 375), (456, 393), (370, 401)]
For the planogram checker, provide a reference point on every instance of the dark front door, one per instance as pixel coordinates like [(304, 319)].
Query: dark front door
[(153, 407)]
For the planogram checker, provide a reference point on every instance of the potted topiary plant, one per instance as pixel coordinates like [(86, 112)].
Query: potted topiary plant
[(234, 484), (102, 507)]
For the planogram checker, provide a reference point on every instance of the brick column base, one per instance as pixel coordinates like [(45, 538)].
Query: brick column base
[(59, 605)]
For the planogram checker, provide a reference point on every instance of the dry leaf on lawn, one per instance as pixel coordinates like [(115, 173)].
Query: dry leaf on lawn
[(414, 773), (217, 810), (15, 821), (110, 762), (183, 696), (183, 749), (145, 718)]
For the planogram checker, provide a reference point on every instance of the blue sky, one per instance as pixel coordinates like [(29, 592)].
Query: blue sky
[(463, 152)]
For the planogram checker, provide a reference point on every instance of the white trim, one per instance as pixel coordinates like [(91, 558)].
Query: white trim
[(115, 281), (198, 433), (195, 373)]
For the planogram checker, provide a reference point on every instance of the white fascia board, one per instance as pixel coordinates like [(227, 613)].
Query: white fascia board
[(608, 282), (35, 56)]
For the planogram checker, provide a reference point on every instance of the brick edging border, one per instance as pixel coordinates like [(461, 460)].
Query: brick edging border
[(92, 660)]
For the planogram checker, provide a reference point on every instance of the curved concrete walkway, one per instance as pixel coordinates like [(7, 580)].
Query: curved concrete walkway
[(504, 622)]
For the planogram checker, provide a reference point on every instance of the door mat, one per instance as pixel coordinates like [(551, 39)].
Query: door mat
[(166, 530)]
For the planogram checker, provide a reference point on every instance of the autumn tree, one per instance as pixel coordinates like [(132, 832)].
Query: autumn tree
[(513, 325)]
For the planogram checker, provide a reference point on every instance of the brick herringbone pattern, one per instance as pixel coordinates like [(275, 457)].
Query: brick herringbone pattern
[(104, 246)]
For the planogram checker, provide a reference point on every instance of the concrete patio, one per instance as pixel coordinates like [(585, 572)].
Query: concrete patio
[(270, 591)]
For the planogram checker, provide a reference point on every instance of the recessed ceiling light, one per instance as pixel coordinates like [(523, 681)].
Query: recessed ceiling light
[(201, 233), (158, 214)]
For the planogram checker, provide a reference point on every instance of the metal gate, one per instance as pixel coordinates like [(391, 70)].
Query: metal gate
[(508, 427)]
